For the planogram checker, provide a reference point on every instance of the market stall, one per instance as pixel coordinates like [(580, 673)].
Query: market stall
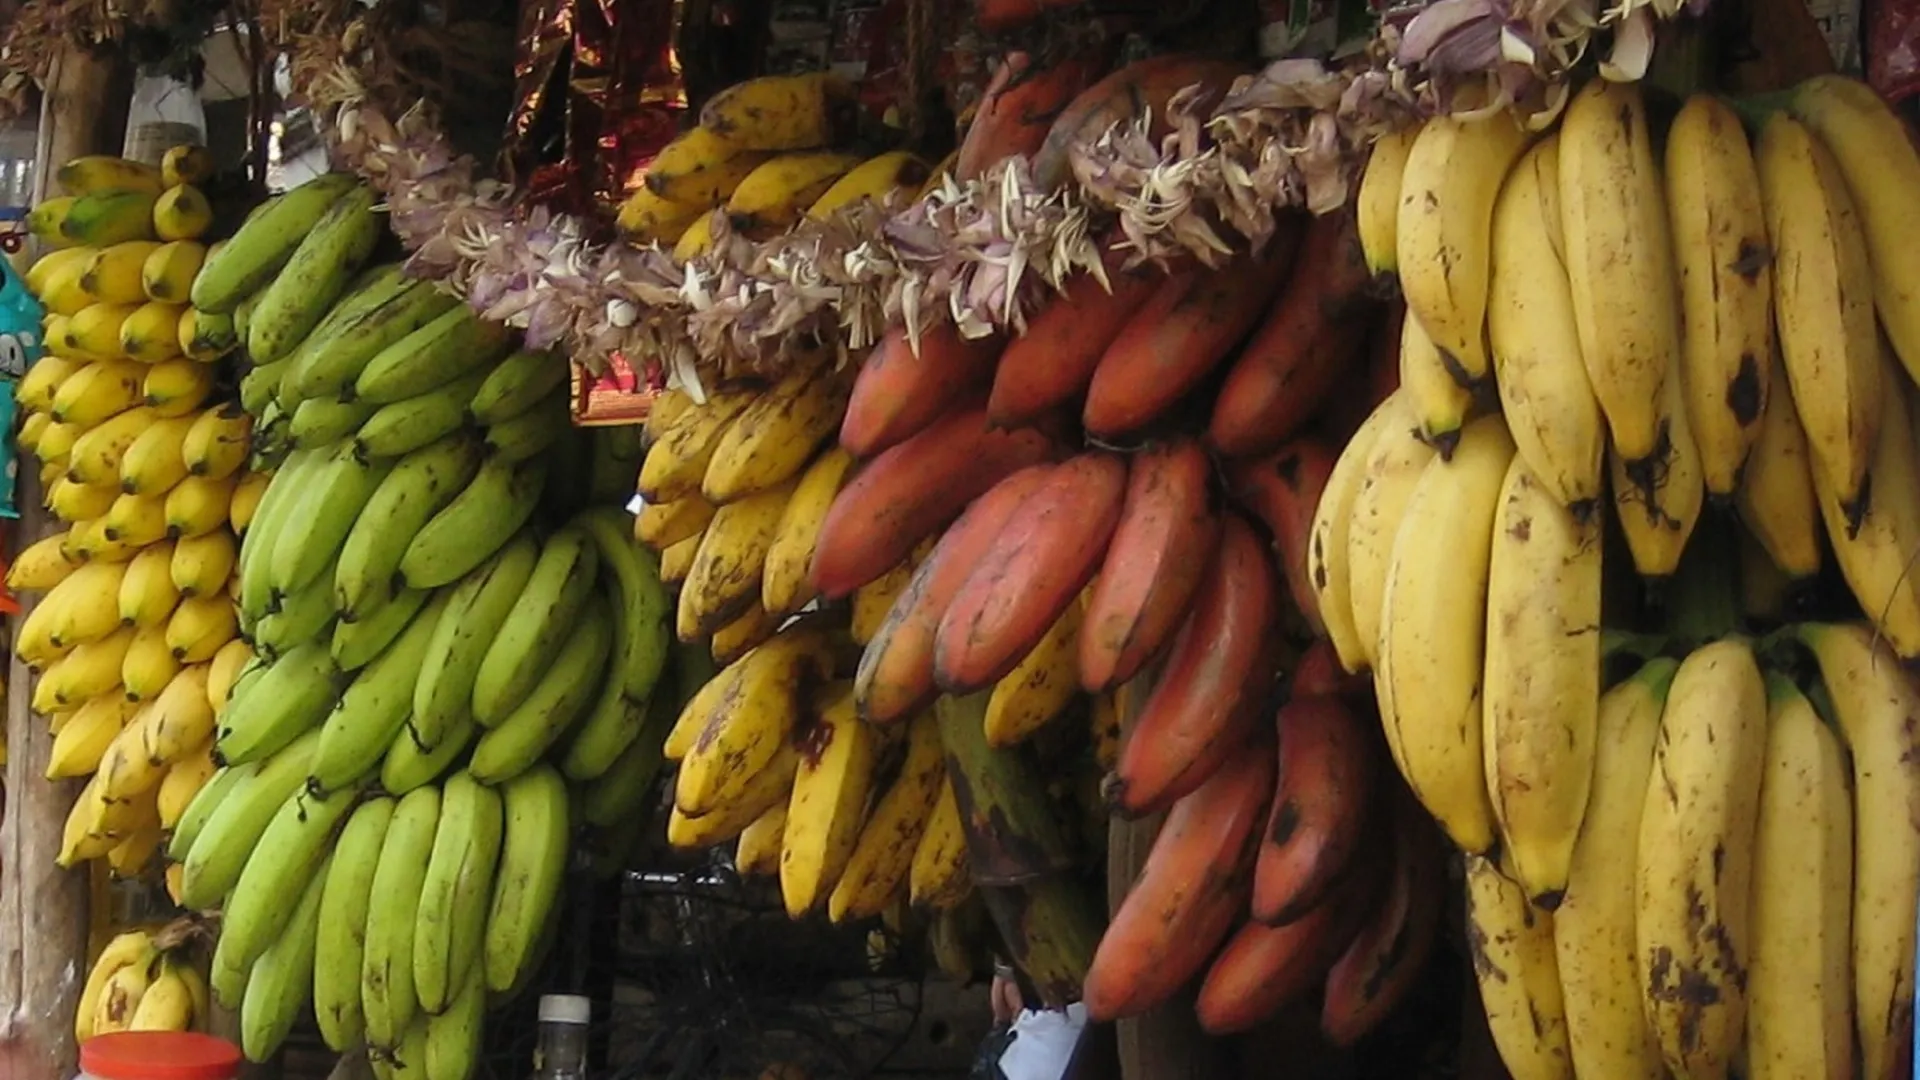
[(1372, 540)]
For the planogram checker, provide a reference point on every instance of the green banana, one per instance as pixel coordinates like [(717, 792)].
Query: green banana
[(281, 982), (640, 646), (541, 621), (406, 426), (290, 698), (361, 728), (256, 547), (221, 784), (408, 1060), (104, 218), (485, 515), (533, 863), (225, 843), (386, 975), (250, 259), (368, 290), (343, 925), (242, 313), (450, 928), (228, 983), (320, 421), (617, 450), (315, 276), (555, 702), (517, 384), (518, 438), (260, 386), (476, 612), (453, 1037), (357, 643), (408, 765), (332, 357), (419, 486), (296, 839), (450, 346), (623, 786), (304, 615), (337, 493)]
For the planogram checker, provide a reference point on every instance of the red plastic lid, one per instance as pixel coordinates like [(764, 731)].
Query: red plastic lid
[(159, 1055)]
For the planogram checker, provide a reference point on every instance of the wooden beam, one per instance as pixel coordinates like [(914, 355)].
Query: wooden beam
[(43, 909)]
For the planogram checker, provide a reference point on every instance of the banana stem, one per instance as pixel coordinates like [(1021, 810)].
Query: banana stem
[(1704, 594), (1680, 59), (1754, 109)]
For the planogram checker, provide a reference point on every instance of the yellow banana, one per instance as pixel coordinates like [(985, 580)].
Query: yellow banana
[(200, 565), (167, 275), (1041, 686), (696, 239), (167, 1004), (1376, 205), (147, 594), (1327, 556), (1518, 974), (829, 801), (120, 994), (940, 875), (62, 294), (97, 392), (731, 642), (42, 381), (647, 217), (113, 277), (84, 607), (758, 852), (153, 464), (677, 560), (778, 192), (200, 626), (1876, 557), (698, 169), (781, 112), (182, 213), (1393, 467), (751, 709), (1776, 498), (90, 670), (198, 505), (177, 387), (785, 584), (102, 172), (1659, 498), (126, 774), (123, 950), (186, 165), (148, 666), (773, 439), (78, 502), (677, 461), (246, 500), (53, 262), (83, 739), (180, 722), (661, 525), (871, 602), (97, 453), (129, 859), (224, 670), (137, 519), (882, 857), (725, 577), (41, 565), (771, 786), (152, 333), (875, 178), (1440, 403), (216, 442)]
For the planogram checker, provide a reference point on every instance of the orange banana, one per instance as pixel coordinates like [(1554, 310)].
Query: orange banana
[(1320, 807), (1283, 491), (898, 393)]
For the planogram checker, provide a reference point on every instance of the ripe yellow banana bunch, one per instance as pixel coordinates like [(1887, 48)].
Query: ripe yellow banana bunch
[(136, 985)]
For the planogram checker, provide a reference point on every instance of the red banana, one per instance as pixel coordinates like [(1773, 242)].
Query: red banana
[(897, 394), (994, 16), (1319, 672), (1216, 685), (1390, 952), (1190, 891), (895, 678), (1169, 527), (1283, 490), (1044, 556), (908, 492), (1019, 107), (1309, 341), (1319, 808), (1263, 968), (1053, 362), (1178, 338), (1139, 89)]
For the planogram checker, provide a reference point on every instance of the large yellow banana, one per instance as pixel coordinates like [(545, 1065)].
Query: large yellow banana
[(758, 852), (83, 740), (124, 950), (1726, 284), (875, 178), (1535, 339), (1776, 498), (775, 437), (167, 275), (882, 857), (677, 461), (750, 710), (1659, 498), (1440, 402), (1695, 864), (781, 112), (1800, 983), (1542, 679), (698, 169), (1876, 553), (1327, 561), (647, 217), (1433, 629), (1377, 204), (1041, 686), (1626, 302), (149, 665), (98, 391), (940, 876), (829, 801), (725, 577), (785, 582), (1875, 702), (1447, 190), (94, 330), (113, 277), (216, 443), (770, 786), (776, 194), (1513, 960), (152, 333), (1823, 306), (1393, 467), (41, 565), (102, 172)]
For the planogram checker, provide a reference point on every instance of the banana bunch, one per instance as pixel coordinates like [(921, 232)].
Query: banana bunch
[(145, 981), (109, 200), (761, 159), (395, 917)]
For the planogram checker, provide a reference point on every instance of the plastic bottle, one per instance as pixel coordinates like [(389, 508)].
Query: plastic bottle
[(562, 1051), (165, 113)]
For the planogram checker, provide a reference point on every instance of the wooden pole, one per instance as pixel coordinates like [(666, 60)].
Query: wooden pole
[(43, 909)]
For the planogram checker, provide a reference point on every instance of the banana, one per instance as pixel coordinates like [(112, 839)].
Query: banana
[(180, 721), (177, 386), (154, 462), (356, 735), (410, 764), (128, 949), (647, 217), (63, 296), (533, 862), (43, 380), (1544, 391), (186, 164), (778, 192), (1328, 558), (677, 560), (90, 670), (676, 463), (304, 615), (340, 950), (54, 448), (1619, 259), (136, 520), (233, 828), (757, 853), (200, 626), (260, 387), (98, 391), (340, 489), (450, 928), (780, 112), (1876, 552), (521, 381), (360, 642), (114, 274), (475, 524), (1873, 702), (1448, 185), (1432, 645), (94, 330), (1696, 860), (1659, 498), (167, 273), (388, 997), (380, 314), (41, 565), (83, 740), (201, 565), (280, 981), (533, 431), (148, 666), (639, 652), (1041, 686), (1726, 285), (291, 853), (183, 782), (453, 344), (407, 425), (697, 238), (477, 610), (249, 261), (876, 179), (205, 336), (752, 709), (542, 619), (102, 172), (698, 168), (167, 1004), (785, 585), (321, 421), (215, 445), (182, 213), (84, 607), (731, 642), (104, 218), (454, 1037), (521, 735), (224, 671), (1513, 945), (1822, 302), (1776, 497), (151, 335), (55, 264), (35, 425), (773, 439), (289, 699), (315, 275), (1377, 203), (626, 784), (1440, 404), (727, 570), (419, 486), (121, 991), (882, 857), (661, 525), (97, 454), (78, 502), (288, 486), (829, 801), (245, 503), (1802, 899)]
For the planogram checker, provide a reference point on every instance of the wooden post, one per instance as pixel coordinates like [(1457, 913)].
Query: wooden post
[(43, 909)]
